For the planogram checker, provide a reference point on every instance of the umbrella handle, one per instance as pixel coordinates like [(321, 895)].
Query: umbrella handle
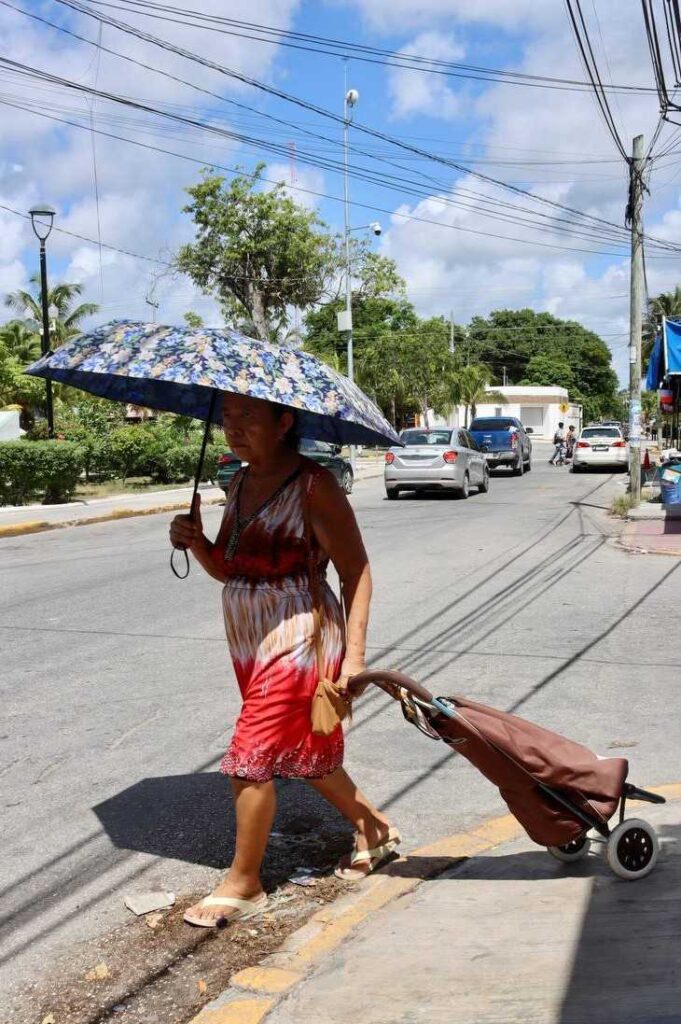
[(197, 480)]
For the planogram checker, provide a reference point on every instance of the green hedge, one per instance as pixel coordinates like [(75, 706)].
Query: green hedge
[(47, 470), (50, 470)]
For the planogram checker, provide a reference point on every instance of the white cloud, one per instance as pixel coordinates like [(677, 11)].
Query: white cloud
[(299, 182), (387, 14), (415, 92), (140, 192)]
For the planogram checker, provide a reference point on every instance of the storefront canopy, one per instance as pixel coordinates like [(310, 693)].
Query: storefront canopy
[(665, 359)]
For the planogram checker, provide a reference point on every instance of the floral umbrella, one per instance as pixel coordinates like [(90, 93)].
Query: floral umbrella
[(180, 369), (186, 370)]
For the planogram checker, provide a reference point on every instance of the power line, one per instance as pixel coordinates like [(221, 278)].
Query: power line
[(368, 206), (581, 33), (424, 193), (358, 126), (125, 27), (92, 241), (356, 51)]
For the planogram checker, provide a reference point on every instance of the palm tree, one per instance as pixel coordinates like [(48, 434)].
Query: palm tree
[(471, 387), (67, 322), (20, 341), (667, 304)]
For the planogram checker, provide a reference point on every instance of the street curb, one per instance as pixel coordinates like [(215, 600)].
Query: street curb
[(253, 992), (37, 526)]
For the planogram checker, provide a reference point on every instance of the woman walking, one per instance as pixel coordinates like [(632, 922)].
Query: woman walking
[(285, 518)]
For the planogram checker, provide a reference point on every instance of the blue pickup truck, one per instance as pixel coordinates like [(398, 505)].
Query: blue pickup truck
[(504, 441)]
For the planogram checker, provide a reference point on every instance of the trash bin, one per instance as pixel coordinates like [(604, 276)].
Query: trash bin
[(670, 485)]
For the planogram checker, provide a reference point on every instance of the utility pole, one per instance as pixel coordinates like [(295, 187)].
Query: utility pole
[(503, 368), (451, 331), (635, 213)]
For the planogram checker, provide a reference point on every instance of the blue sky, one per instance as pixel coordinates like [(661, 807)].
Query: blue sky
[(452, 253)]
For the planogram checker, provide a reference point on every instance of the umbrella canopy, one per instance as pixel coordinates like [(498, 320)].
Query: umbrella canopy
[(179, 369)]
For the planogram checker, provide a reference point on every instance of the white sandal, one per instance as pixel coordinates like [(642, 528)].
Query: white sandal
[(243, 909), (374, 858)]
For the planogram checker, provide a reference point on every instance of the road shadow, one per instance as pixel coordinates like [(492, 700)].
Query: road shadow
[(625, 967), (191, 818)]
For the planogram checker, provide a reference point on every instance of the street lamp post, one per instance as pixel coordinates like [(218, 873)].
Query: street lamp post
[(42, 218), (345, 323)]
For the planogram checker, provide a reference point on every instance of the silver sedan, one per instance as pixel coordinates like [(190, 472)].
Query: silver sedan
[(443, 459)]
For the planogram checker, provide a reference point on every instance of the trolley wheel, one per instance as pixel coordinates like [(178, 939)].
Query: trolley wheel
[(632, 849), (572, 851)]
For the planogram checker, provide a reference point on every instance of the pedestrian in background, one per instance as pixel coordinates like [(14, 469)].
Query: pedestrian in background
[(559, 442), (570, 442)]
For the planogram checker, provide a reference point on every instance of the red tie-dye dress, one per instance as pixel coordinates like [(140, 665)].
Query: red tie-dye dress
[(268, 619)]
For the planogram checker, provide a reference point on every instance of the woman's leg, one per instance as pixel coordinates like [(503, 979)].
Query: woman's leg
[(255, 804), (339, 789)]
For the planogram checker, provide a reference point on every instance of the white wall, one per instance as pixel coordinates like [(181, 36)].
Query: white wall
[(9, 425)]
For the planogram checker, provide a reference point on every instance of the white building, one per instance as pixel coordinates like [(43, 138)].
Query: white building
[(9, 425), (539, 409)]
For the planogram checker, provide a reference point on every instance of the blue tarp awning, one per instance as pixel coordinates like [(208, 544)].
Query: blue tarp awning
[(672, 346), (665, 358), (655, 374)]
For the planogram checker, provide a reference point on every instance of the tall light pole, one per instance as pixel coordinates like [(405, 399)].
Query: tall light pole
[(42, 218), (345, 321)]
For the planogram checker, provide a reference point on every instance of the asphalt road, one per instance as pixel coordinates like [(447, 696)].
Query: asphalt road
[(118, 696)]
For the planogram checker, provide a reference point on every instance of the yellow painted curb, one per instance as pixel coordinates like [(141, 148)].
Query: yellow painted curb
[(241, 1011), (269, 980), (33, 526), (326, 929), (37, 526)]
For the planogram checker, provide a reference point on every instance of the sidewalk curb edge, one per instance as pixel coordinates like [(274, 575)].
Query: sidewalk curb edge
[(253, 992), (38, 526)]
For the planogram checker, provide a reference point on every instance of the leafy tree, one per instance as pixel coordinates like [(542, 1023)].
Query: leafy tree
[(549, 369), (20, 341), (426, 366), (470, 389), (650, 404), (193, 320), (513, 338), (374, 317), (17, 389), (666, 304), (257, 251), (68, 322)]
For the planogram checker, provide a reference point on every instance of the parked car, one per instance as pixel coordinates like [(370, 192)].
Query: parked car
[(328, 455), (600, 446), (505, 441), (443, 459)]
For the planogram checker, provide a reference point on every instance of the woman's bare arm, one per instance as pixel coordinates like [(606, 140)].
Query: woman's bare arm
[(336, 529)]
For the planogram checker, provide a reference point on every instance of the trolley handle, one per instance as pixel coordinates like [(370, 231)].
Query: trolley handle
[(390, 682)]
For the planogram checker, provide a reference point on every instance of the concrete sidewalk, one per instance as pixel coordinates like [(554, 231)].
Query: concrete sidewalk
[(659, 535), (19, 519), (509, 936)]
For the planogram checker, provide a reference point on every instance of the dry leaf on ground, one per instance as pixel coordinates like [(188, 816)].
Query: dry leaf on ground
[(98, 973)]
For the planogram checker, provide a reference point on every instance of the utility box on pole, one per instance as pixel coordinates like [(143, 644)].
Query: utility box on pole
[(344, 320)]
